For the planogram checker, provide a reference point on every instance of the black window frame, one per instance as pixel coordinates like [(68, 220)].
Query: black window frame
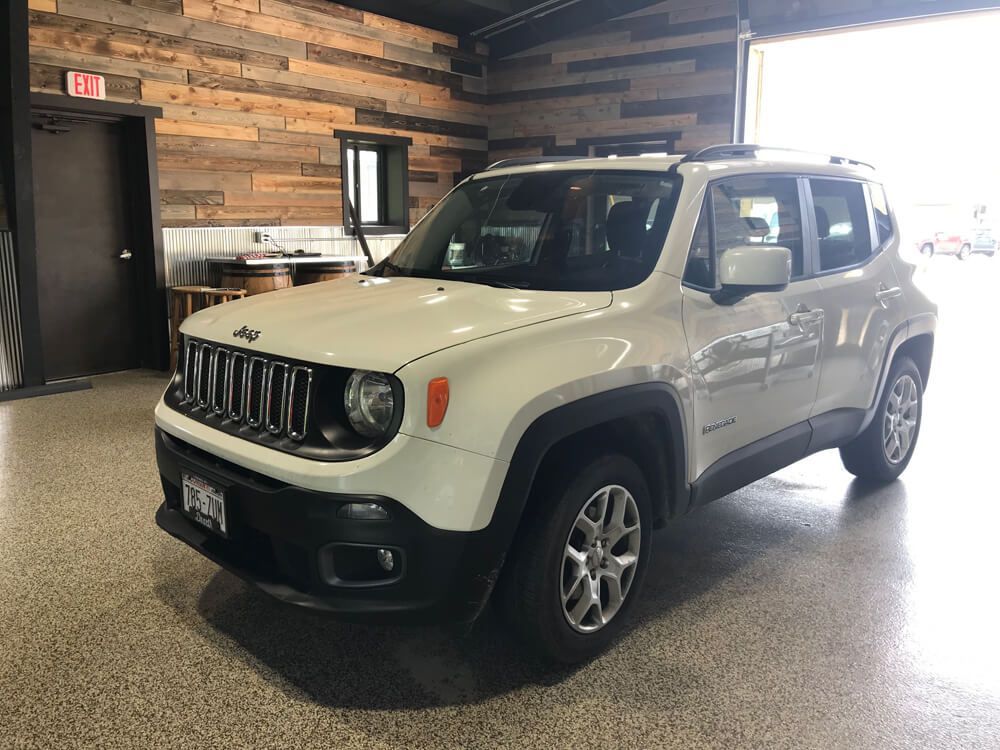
[(394, 180), (810, 243)]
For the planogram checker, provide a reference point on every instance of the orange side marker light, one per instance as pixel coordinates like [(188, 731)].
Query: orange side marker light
[(437, 401)]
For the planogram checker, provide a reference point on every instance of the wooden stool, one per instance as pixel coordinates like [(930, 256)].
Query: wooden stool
[(215, 297), (184, 301)]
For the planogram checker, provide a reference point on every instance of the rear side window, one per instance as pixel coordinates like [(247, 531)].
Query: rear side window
[(883, 223), (842, 223), (747, 210)]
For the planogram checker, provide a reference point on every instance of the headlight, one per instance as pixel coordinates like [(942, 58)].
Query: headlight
[(368, 402)]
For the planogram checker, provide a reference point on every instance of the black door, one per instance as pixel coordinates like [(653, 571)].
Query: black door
[(86, 275)]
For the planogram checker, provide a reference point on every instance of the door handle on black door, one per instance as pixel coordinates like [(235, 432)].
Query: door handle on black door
[(883, 295), (125, 254)]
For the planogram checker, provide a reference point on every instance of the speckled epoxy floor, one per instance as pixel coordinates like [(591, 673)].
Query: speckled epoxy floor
[(803, 612)]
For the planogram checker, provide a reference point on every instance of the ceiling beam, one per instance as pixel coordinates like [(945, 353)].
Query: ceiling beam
[(499, 6), (552, 20)]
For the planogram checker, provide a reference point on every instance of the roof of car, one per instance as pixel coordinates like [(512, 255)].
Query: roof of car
[(728, 158)]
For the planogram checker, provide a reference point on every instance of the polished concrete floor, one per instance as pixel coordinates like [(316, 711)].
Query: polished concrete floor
[(806, 611)]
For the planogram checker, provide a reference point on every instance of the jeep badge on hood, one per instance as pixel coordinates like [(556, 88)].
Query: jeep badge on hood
[(246, 333)]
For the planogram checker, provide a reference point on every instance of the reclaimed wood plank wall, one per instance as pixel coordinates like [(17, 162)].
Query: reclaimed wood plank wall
[(252, 91), (660, 79)]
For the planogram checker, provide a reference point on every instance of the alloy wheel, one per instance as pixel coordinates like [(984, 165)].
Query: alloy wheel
[(900, 420), (600, 559)]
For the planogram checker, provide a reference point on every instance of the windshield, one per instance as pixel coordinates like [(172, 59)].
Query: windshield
[(579, 231)]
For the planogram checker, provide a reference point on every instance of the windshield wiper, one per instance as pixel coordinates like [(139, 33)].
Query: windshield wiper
[(386, 265), (505, 284)]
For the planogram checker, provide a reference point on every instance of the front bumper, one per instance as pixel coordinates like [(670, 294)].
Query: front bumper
[(281, 535)]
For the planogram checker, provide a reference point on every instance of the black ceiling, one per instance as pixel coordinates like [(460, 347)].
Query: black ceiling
[(508, 26)]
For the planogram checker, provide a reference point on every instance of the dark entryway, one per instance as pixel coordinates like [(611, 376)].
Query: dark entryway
[(87, 280)]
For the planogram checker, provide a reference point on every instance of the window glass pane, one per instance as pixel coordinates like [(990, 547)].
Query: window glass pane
[(501, 233), (883, 223), (350, 177), (700, 270), (370, 165), (756, 210), (841, 223), (553, 230)]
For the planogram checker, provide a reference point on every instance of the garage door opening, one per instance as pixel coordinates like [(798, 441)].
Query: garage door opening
[(917, 99)]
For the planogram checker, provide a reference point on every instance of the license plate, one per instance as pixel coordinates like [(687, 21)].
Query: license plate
[(204, 503)]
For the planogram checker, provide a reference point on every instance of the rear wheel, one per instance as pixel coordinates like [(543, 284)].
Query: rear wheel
[(965, 252), (577, 569), (927, 250), (884, 449)]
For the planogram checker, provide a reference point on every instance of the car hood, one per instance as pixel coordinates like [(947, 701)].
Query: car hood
[(378, 323)]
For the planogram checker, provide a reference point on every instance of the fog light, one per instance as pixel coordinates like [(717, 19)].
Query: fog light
[(386, 560), (363, 512)]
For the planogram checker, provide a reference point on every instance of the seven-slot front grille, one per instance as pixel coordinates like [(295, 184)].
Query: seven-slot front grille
[(264, 394)]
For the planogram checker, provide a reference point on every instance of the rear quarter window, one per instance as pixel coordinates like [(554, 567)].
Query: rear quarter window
[(883, 221)]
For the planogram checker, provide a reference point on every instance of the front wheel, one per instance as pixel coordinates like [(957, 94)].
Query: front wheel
[(965, 252), (577, 567), (883, 450), (927, 250)]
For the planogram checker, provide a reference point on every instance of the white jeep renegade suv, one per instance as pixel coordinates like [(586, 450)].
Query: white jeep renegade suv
[(559, 358)]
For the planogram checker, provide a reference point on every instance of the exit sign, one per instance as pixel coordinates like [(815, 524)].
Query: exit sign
[(86, 85)]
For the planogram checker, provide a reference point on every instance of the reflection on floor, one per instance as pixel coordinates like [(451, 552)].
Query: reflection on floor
[(804, 611)]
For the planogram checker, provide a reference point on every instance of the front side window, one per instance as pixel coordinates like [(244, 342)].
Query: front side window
[(600, 230), (749, 210), (700, 269), (841, 223)]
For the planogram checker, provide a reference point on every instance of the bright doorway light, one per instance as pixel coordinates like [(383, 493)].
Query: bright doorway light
[(919, 100)]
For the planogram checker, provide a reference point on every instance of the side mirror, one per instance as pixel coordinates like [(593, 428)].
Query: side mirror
[(748, 269)]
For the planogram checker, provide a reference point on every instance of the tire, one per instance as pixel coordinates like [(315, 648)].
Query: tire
[(927, 250), (538, 572), (965, 252), (872, 455)]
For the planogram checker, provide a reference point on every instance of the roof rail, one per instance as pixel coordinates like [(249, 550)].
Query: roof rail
[(722, 151), (846, 160), (749, 150), (523, 161)]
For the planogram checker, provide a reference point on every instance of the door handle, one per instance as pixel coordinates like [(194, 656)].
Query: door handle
[(883, 295), (803, 316), (125, 254)]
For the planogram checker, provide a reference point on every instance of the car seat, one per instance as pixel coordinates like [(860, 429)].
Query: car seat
[(834, 252)]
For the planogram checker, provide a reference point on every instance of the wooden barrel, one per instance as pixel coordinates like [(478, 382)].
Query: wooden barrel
[(256, 279), (310, 273)]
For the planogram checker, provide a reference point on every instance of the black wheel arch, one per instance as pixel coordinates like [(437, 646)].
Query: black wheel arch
[(913, 338), (653, 412), (655, 407)]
